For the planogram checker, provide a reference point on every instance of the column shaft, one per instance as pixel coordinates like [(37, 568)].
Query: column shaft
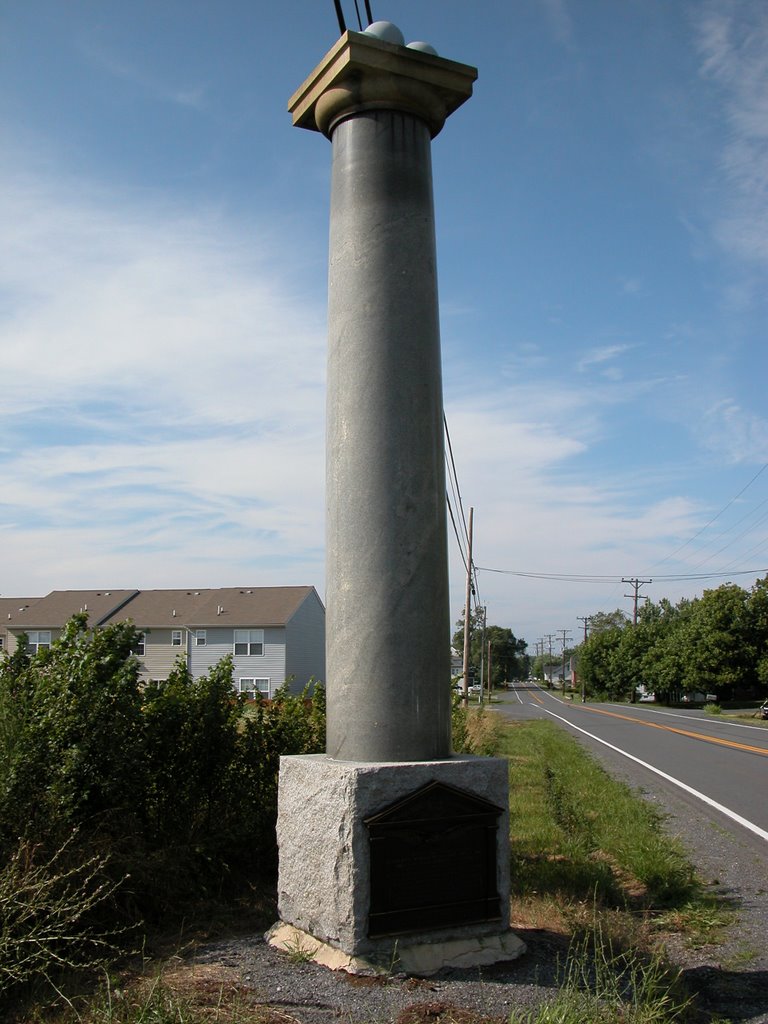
[(388, 619)]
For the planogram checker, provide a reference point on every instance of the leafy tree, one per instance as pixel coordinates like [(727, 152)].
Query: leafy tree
[(597, 663), (757, 611), (719, 655), (508, 653), (601, 622)]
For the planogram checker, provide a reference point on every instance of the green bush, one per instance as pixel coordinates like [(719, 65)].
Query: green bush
[(157, 796)]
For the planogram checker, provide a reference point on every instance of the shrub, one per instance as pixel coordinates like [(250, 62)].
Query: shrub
[(132, 802)]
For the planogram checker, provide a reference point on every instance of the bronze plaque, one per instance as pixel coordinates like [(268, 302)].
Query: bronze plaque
[(433, 862)]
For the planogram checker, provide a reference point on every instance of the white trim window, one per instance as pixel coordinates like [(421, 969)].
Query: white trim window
[(201, 637), (251, 687), (2, 642), (38, 640), (175, 638), (141, 645), (248, 642)]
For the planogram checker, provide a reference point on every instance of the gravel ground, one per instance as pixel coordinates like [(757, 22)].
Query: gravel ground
[(730, 979), (315, 995)]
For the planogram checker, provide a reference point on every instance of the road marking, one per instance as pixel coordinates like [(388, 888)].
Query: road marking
[(718, 720), (675, 782), (680, 732)]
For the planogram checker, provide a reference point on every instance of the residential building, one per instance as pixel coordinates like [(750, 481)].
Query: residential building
[(275, 635)]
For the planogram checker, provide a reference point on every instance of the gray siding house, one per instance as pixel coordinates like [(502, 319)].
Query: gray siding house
[(274, 635)]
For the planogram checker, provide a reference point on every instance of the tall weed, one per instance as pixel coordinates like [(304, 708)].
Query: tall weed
[(475, 730)]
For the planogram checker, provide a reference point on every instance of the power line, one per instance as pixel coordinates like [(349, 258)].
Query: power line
[(714, 518), (455, 530), (585, 578), (453, 475)]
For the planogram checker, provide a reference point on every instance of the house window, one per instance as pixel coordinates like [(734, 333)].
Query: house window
[(38, 640), (249, 641), (141, 643), (176, 638), (251, 687), (2, 642), (201, 638)]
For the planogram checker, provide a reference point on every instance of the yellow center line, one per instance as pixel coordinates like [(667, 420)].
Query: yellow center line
[(681, 732), (538, 699)]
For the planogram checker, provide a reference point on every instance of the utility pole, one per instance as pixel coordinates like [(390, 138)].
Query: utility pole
[(489, 675), (586, 619), (562, 641), (636, 584), (540, 653), (482, 660), (467, 604), (549, 637)]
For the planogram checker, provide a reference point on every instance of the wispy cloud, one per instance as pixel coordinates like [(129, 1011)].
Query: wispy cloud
[(191, 95), (733, 43), (735, 433), (559, 17), (599, 356), (163, 386)]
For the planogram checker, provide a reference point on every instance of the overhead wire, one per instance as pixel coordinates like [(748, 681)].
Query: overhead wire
[(585, 578), (715, 517)]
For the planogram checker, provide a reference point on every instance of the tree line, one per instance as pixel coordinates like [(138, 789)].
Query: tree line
[(715, 644)]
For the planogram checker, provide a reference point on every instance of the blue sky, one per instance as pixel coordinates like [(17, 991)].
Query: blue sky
[(601, 206)]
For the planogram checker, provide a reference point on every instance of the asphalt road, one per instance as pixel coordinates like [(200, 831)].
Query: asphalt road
[(717, 766)]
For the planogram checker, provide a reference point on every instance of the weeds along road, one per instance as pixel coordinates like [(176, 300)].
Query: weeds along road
[(719, 768)]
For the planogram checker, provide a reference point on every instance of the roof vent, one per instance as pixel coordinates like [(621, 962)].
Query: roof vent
[(174, 613)]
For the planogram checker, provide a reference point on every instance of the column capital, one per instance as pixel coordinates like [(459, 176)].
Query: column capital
[(361, 72)]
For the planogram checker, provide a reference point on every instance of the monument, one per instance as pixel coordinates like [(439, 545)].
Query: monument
[(391, 847)]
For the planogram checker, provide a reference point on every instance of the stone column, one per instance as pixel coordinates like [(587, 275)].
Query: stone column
[(388, 617), (390, 848)]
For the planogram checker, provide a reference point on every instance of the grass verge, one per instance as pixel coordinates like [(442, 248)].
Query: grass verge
[(581, 839)]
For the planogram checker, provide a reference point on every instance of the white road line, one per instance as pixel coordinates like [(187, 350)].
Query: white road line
[(715, 719), (675, 782)]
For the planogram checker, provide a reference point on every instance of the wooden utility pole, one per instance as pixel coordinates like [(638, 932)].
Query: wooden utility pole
[(636, 584), (467, 606), (586, 619), (549, 637), (489, 672), (562, 641)]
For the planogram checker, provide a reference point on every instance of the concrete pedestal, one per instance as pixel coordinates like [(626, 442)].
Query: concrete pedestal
[(324, 885)]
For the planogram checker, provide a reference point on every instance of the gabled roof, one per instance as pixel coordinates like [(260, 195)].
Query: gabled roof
[(201, 609), (14, 606), (172, 609), (58, 607), (249, 606), (230, 606)]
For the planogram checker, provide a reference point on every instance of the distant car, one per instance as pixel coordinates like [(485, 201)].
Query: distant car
[(764, 710), (475, 688), (647, 698)]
